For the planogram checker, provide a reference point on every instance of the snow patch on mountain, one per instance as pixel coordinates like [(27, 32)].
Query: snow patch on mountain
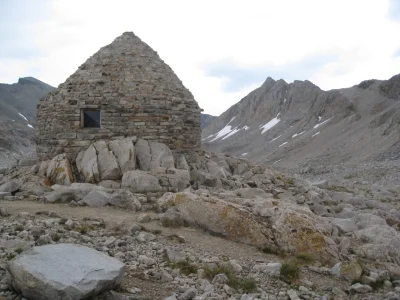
[(319, 124), (23, 116), (270, 124)]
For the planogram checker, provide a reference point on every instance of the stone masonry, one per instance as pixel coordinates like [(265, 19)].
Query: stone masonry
[(136, 93)]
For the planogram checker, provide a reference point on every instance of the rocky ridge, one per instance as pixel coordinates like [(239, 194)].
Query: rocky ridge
[(308, 240), (299, 128), (18, 117)]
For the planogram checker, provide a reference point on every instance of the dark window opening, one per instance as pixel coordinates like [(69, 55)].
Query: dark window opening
[(91, 118)]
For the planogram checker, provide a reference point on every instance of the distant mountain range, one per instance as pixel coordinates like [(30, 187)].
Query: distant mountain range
[(18, 103), (298, 125)]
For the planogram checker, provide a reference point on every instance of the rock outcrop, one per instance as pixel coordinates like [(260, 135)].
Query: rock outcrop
[(64, 271)]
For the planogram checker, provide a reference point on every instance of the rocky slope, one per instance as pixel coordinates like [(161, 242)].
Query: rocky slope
[(17, 117), (273, 236), (206, 119), (300, 128)]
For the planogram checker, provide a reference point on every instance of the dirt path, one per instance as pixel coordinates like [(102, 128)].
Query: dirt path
[(195, 238)]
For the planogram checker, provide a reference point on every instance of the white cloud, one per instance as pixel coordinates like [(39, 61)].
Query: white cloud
[(191, 34)]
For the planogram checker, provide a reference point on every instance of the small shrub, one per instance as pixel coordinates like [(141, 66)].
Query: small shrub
[(19, 228), (19, 250), (268, 250), (249, 285), (186, 267), (10, 256), (157, 231), (305, 257), (56, 237), (277, 197), (83, 229), (246, 284), (290, 271), (289, 181), (377, 284)]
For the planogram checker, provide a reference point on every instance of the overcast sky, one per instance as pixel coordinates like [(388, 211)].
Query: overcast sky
[(221, 50)]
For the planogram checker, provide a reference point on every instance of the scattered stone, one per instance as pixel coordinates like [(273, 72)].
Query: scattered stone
[(360, 288), (9, 187)]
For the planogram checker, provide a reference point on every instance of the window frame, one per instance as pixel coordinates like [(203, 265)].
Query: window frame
[(83, 110)]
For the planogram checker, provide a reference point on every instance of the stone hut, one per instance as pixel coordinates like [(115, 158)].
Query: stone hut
[(124, 89)]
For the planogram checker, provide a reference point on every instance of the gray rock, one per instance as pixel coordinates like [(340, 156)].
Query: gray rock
[(125, 199), (323, 184), (272, 269), (97, 198), (64, 271), (62, 196), (27, 162), (4, 194), (251, 193), (171, 218), (10, 187), (107, 162), (360, 288), (220, 278), (110, 184), (143, 154), (59, 170), (4, 212), (293, 295), (144, 237), (161, 156), (86, 162), (140, 182), (175, 256), (43, 168), (345, 225), (124, 151), (181, 163), (188, 295), (174, 178)]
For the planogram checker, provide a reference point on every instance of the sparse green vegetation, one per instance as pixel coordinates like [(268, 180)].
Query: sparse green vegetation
[(10, 256), (19, 250), (246, 284), (268, 250), (378, 284), (186, 267), (289, 181), (157, 231), (304, 257), (349, 176), (290, 271), (56, 237), (83, 229), (19, 228)]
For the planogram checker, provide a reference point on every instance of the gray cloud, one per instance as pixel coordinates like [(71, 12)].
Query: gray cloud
[(394, 10), (240, 77)]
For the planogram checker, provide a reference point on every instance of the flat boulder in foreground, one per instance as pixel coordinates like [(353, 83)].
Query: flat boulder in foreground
[(64, 271)]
